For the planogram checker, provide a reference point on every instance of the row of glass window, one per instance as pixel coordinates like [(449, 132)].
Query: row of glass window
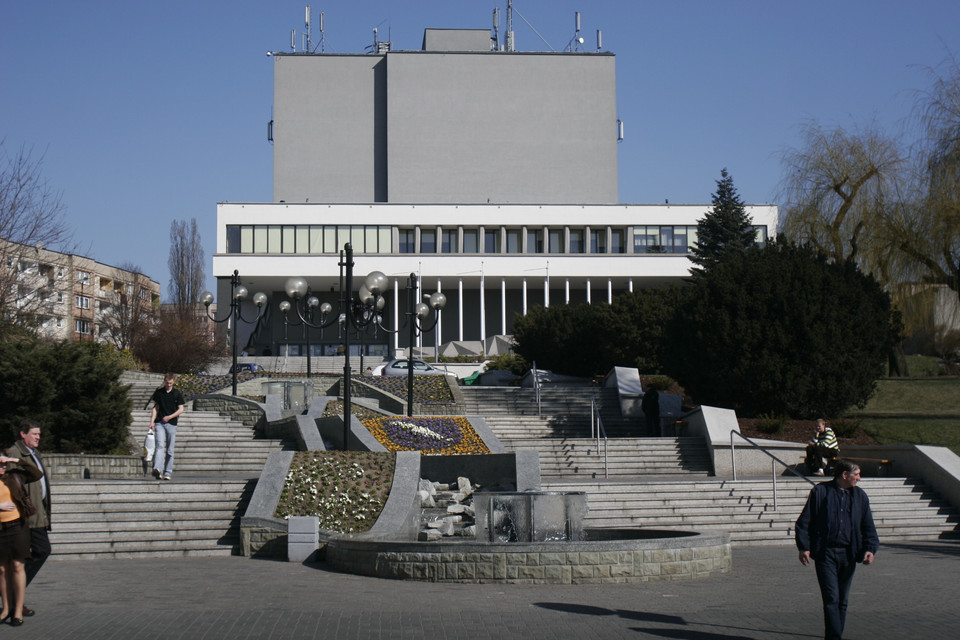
[(330, 239)]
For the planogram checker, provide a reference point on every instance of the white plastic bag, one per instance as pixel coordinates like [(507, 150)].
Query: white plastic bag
[(149, 445)]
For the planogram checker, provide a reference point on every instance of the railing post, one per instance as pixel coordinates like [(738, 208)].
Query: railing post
[(733, 458), (773, 473)]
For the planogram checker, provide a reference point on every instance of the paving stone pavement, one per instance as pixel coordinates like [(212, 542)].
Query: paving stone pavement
[(912, 591)]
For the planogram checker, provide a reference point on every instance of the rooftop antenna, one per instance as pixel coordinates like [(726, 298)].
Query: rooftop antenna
[(577, 40), (323, 37), (510, 43), (293, 40), (307, 36), (599, 40), (495, 40)]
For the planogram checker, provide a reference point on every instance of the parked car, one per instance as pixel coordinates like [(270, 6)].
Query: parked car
[(400, 367), (246, 366)]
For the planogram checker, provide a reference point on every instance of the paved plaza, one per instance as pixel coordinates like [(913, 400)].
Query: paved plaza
[(912, 591)]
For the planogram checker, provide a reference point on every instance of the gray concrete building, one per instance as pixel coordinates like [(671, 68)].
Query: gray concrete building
[(490, 174)]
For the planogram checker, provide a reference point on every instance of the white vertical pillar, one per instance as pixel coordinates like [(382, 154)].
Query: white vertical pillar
[(503, 306), (460, 311), (396, 315), (546, 282), (630, 285), (439, 332), (609, 291), (588, 291), (566, 290), (524, 296), (483, 315)]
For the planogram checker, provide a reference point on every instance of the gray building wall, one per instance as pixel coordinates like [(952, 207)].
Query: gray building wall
[(329, 128), (442, 127)]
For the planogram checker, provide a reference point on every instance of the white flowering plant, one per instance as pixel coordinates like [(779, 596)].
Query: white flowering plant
[(345, 489)]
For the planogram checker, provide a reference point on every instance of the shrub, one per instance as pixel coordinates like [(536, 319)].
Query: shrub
[(770, 424), (845, 427), (515, 364)]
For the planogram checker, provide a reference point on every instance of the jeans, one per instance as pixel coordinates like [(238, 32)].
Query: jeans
[(835, 573), (163, 456)]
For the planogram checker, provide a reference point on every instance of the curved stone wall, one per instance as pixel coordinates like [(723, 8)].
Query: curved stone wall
[(611, 556)]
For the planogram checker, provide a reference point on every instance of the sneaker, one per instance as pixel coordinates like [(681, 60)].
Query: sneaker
[(168, 477), (819, 472), (156, 473)]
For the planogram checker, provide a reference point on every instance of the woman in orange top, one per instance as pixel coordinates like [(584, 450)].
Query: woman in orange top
[(14, 534)]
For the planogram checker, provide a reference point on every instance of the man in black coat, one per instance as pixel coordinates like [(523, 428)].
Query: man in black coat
[(836, 529)]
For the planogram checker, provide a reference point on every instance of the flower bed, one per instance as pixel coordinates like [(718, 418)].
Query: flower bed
[(426, 389), (346, 489), (195, 384), (430, 435)]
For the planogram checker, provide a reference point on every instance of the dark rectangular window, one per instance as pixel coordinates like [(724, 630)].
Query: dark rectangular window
[(471, 239), (556, 240), (576, 241), (491, 241), (428, 241), (513, 240), (448, 241), (534, 240), (617, 244), (407, 242)]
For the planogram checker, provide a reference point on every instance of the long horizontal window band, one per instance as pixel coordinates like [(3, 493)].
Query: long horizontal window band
[(494, 240)]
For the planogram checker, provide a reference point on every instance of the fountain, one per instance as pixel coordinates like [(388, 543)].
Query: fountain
[(521, 536)]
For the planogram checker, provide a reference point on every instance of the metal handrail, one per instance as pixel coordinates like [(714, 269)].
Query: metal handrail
[(536, 386), (595, 431), (773, 464)]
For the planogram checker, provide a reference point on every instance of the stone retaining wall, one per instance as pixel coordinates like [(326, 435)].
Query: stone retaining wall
[(588, 562), (80, 466)]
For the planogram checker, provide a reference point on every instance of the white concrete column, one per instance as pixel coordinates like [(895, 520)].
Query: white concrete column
[(503, 306), (630, 285), (483, 315), (566, 290), (439, 330), (546, 291), (609, 291), (460, 312), (396, 315), (588, 291), (524, 296)]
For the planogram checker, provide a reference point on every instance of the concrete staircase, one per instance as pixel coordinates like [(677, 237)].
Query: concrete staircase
[(217, 461), (569, 458), (903, 509), (127, 519), (213, 445), (565, 411)]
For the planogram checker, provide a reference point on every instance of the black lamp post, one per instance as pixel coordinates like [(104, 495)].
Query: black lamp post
[(417, 313), (359, 312), (238, 294)]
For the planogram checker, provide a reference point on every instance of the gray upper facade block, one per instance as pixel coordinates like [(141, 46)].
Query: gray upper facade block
[(445, 127)]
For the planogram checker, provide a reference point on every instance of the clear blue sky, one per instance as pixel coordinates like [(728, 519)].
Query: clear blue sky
[(153, 111)]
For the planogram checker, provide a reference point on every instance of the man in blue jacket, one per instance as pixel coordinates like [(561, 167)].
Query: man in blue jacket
[(836, 529)]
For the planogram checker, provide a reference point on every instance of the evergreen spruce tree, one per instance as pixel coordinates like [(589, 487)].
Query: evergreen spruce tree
[(725, 228)]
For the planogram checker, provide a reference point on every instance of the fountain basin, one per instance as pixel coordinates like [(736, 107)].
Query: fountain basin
[(603, 556)]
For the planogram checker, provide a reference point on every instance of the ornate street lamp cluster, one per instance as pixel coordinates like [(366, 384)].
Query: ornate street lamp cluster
[(238, 293), (360, 312)]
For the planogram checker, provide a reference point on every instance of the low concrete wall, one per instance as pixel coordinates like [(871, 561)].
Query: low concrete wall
[(261, 534), (80, 466), (243, 410), (587, 562)]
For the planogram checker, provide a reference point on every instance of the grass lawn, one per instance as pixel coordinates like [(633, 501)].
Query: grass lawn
[(914, 411), (914, 396)]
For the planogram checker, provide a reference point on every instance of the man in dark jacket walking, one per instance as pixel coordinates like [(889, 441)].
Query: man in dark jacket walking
[(836, 529), (39, 492)]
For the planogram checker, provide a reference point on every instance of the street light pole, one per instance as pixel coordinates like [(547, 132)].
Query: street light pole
[(238, 294)]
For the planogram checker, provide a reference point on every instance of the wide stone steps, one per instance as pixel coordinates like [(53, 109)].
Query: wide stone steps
[(125, 518), (904, 509), (208, 443)]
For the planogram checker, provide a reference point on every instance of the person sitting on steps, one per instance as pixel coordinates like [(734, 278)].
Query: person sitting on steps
[(822, 450)]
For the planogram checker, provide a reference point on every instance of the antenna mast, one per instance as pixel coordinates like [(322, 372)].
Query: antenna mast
[(307, 36), (510, 44)]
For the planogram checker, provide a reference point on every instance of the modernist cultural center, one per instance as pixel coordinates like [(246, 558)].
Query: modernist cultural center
[(489, 173)]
